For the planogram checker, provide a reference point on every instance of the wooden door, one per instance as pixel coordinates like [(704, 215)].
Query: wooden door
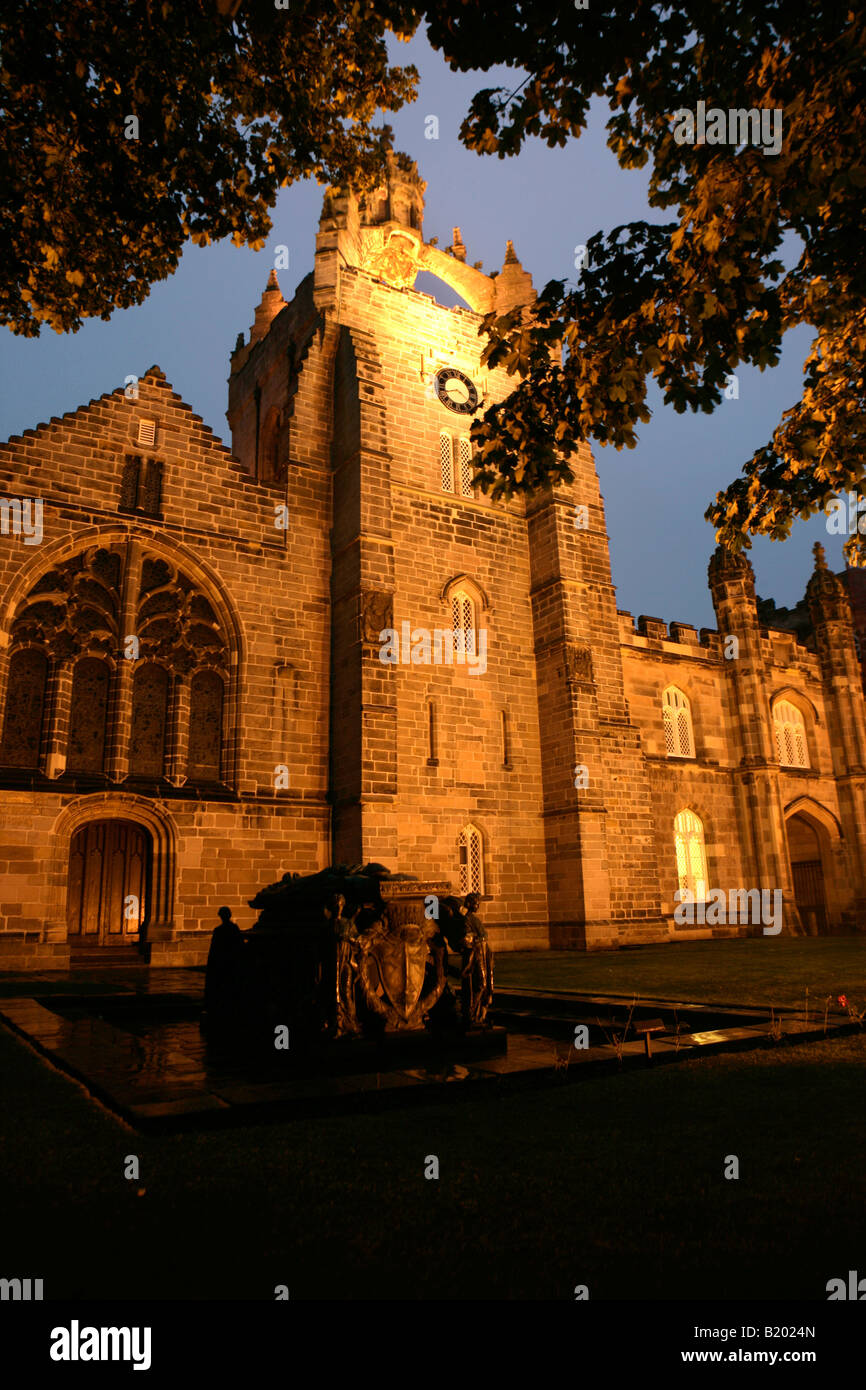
[(808, 877), (108, 883)]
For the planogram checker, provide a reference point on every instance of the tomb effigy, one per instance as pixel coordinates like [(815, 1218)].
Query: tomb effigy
[(358, 952)]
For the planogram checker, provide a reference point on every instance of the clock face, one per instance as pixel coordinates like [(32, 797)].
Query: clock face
[(457, 391)]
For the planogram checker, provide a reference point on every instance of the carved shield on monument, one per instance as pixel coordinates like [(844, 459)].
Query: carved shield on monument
[(396, 955), (401, 959)]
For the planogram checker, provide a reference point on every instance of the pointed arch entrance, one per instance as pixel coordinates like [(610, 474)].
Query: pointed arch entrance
[(807, 875), (813, 834), (109, 885)]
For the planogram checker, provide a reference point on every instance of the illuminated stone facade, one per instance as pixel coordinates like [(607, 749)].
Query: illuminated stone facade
[(192, 681)]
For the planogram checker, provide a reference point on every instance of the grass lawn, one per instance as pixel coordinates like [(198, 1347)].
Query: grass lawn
[(615, 1183), (748, 970)]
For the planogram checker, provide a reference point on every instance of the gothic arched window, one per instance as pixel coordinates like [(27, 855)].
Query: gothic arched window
[(691, 856), (790, 730), (679, 741), (107, 649), (463, 623), (470, 851), (25, 708)]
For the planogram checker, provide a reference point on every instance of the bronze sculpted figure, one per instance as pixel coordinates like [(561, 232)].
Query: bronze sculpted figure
[(346, 958), (477, 973)]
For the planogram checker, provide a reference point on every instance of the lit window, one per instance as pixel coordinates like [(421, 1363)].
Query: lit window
[(463, 623), (790, 730), (679, 742), (471, 858), (691, 857)]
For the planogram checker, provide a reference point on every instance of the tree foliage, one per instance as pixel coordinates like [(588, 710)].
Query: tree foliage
[(756, 243), (228, 112), (748, 244)]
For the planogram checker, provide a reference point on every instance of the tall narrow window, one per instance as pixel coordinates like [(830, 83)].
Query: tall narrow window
[(463, 623), (149, 711), (269, 458), (790, 728), (679, 741), (141, 485), (150, 490), (87, 715), (691, 855), (471, 859), (432, 759), (205, 727), (506, 739), (446, 461), (25, 708), (129, 483), (465, 453)]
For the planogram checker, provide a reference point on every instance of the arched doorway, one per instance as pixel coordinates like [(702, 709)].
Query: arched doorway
[(108, 894), (807, 874)]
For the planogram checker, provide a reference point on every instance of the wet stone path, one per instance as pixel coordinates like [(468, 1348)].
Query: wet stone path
[(133, 1037)]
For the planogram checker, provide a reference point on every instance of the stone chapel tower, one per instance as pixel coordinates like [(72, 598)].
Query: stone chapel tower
[(354, 404), (344, 652)]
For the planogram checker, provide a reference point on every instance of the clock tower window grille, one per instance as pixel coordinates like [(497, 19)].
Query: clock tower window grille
[(446, 461), (455, 462), (466, 489)]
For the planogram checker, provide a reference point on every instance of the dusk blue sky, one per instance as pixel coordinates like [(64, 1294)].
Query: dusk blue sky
[(547, 202)]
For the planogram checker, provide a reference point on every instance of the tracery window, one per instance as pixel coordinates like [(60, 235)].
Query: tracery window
[(790, 730), (470, 851), (679, 739), (132, 649), (463, 623)]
